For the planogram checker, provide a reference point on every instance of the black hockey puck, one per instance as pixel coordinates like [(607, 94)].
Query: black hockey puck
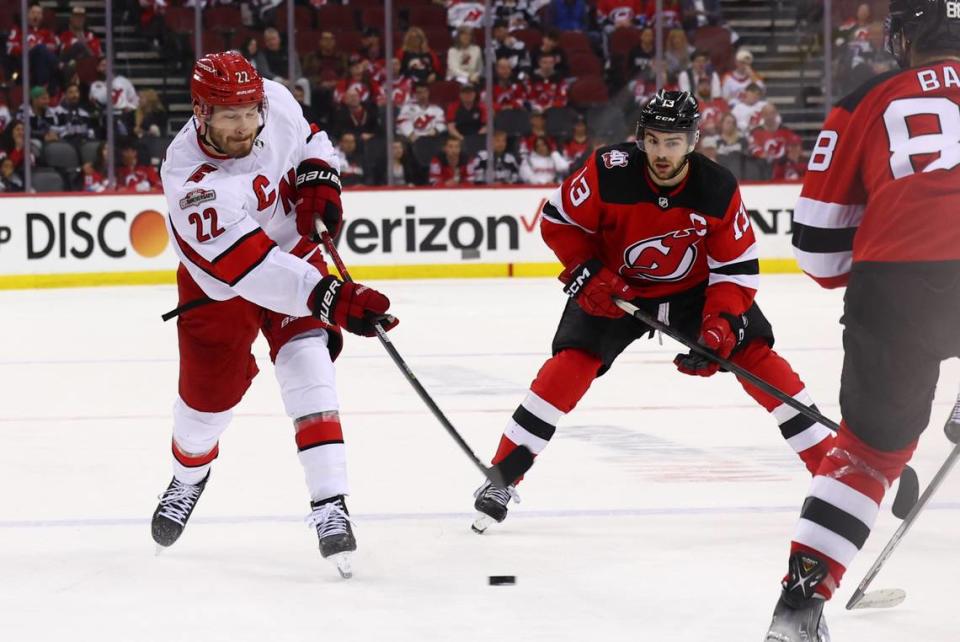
[(502, 580)]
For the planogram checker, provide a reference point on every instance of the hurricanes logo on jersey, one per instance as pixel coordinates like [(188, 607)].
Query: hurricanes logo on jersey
[(662, 258), (615, 158)]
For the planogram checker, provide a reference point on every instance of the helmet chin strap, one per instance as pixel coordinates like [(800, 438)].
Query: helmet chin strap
[(202, 127)]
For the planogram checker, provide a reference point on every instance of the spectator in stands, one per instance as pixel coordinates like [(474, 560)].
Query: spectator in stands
[(151, 21), (309, 113), (43, 122), (644, 86), (10, 179), (467, 116), (538, 130), (133, 176), (747, 111), (417, 60), (578, 148), (464, 59), (5, 117), (700, 13), (508, 93), (449, 168), (351, 161), (402, 86), (464, 13), (735, 82), (420, 117), (708, 147), (676, 52), (769, 140), (150, 119), (272, 61), (505, 45), (731, 145), (518, 14), (857, 42), (77, 42), (74, 124), (13, 146), (672, 14), (325, 65), (358, 80), (793, 166), (712, 108), (546, 89), (371, 48), (506, 169), (641, 57), (543, 166), (249, 49), (42, 48), (356, 117), (402, 165), (125, 98), (612, 14), (94, 175), (550, 46), (700, 67), (569, 15)]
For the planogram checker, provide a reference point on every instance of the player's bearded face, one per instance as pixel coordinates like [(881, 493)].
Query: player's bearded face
[(666, 153), (233, 129)]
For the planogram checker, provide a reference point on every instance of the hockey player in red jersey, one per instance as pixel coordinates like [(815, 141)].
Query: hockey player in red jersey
[(657, 224), (880, 213), (232, 178)]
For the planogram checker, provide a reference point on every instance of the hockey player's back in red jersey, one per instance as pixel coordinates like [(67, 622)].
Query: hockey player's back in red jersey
[(665, 228), (880, 213)]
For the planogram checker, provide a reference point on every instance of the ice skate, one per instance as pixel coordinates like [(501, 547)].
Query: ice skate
[(173, 511), (491, 505), (337, 543), (798, 616)]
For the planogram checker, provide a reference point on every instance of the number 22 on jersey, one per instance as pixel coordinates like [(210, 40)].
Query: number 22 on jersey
[(207, 226)]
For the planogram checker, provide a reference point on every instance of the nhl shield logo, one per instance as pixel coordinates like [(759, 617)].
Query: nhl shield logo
[(663, 202)]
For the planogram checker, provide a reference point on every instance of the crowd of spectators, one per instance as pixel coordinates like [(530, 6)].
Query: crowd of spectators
[(568, 76)]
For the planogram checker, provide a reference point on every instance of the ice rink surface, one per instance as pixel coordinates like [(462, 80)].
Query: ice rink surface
[(662, 510)]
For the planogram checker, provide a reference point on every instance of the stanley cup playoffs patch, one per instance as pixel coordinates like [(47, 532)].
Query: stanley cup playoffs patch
[(197, 196)]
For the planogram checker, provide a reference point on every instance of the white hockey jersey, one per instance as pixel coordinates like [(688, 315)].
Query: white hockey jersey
[(232, 220)]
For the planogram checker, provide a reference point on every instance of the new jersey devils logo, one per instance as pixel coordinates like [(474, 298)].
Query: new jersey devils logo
[(662, 258)]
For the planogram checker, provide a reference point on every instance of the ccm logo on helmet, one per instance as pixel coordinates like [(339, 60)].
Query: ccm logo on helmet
[(319, 176)]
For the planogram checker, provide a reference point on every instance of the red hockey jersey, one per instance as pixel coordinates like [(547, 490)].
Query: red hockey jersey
[(883, 182), (660, 240)]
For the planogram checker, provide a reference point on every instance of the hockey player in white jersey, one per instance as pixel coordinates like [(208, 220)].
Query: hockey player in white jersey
[(245, 181)]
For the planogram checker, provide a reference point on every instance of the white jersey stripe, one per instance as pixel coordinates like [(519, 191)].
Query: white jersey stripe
[(816, 213), (824, 264)]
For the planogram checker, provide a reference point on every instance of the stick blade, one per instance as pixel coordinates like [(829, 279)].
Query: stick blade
[(908, 492), (512, 468), (880, 599)]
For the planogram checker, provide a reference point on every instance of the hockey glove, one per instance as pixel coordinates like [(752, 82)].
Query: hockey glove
[(593, 287), (318, 197), (353, 307), (719, 334)]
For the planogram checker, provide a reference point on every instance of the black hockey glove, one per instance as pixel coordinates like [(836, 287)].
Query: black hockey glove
[(720, 334)]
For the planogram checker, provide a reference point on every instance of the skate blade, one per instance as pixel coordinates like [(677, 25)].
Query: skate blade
[(481, 523), (343, 563), (160, 549), (881, 599)]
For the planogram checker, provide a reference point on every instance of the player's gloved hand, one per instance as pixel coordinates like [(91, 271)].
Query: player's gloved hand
[(318, 187), (594, 286), (719, 334), (352, 306)]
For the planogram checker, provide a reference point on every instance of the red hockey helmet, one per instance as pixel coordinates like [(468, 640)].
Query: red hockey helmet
[(225, 79)]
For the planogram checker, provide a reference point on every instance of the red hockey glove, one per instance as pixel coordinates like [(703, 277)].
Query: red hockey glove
[(318, 197), (719, 334), (351, 306), (594, 286)]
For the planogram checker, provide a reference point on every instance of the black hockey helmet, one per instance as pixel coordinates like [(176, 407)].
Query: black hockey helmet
[(671, 111), (922, 25)]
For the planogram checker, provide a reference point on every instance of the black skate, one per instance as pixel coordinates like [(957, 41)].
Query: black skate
[(332, 521), (173, 511), (491, 505), (798, 616)]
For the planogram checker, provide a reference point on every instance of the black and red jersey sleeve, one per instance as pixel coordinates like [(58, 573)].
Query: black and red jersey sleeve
[(572, 216), (733, 260)]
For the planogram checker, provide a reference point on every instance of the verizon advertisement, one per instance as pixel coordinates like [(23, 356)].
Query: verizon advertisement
[(96, 239)]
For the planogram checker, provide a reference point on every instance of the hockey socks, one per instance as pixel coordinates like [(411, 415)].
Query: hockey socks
[(322, 453), (843, 503)]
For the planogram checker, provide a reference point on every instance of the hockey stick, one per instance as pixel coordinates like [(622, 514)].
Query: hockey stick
[(886, 598), (500, 475), (907, 489)]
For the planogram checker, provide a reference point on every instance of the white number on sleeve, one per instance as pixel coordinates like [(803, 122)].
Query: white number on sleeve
[(741, 221), (579, 190), (822, 154)]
